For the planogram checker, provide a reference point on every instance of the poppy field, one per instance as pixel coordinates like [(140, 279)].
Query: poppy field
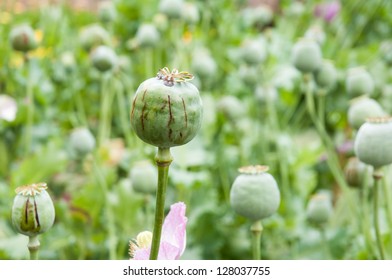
[(196, 130)]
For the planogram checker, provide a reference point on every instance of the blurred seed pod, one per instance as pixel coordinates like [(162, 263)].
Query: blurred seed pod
[(326, 76), (306, 56), (266, 94), (81, 141), (231, 107), (33, 210), (373, 142), (172, 8), (319, 209), (259, 16), (190, 13), (147, 35), (316, 33), (92, 36), (104, 58), (255, 193), (362, 108), (359, 82), (356, 172), (253, 51), (107, 11), (143, 177), (203, 64), (22, 38)]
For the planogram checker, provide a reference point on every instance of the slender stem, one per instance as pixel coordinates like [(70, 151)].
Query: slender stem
[(325, 242), (388, 204), (256, 229), (123, 114), (321, 106), (30, 107), (163, 160), (33, 246), (377, 175)]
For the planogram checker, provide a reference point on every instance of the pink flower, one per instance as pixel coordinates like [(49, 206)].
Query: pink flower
[(173, 239), (327, 10)]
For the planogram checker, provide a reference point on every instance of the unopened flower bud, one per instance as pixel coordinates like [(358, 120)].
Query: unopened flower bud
[(33, 211)]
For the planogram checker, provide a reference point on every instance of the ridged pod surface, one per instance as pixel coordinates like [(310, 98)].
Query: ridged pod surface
[(166, 110), (32, 211)]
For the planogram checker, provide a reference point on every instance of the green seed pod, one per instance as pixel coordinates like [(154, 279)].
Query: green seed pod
[(231, 107), (362, 108), (255, 193), (203, 64), (143, 176), (319, 209), (104, 58), (254, 51), (359, 82), (22, 38), (33, 211), (259, 16), (356, 172), (316, 33), (190, 13), (107, 12), (147, 35), (81, 141), (374, 141), (326, 76), (306, 56), (92, 36), (171, 8), (167, 110)]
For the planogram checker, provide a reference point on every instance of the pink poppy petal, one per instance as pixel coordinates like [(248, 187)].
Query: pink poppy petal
[(142, 254), (174, 226)]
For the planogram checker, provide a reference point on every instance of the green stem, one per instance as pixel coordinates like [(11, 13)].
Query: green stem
[(163, 160), (325, 242), (33, 246), (256, 230), (377, 175), (30, 107), (332, 160), (123, 114)]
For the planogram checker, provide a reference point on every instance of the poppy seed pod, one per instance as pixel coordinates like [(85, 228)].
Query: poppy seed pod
[(355, 172), (22, 38), (171, 8), (81, 141), (167, 110), (326, 76), (319, 209), (362, 108), (147, 35), (254, 51), (306, 56), (359, 82), (373, 142), (33, 211), (104, 58), (255, 193), (143, 176), (92, 36)]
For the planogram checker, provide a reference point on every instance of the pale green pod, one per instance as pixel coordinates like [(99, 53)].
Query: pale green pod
[(374, 141), (92, 36), (319, 209), (359, 82), (362, 108), (143, 176), (33, 210), (167, 110), (107, 12), (104, 58), (255, 193), (81, 141), (147, 35), (22, 38), (254, 51), (306, 56), (171, 8), (326, 76), (356, 173)]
